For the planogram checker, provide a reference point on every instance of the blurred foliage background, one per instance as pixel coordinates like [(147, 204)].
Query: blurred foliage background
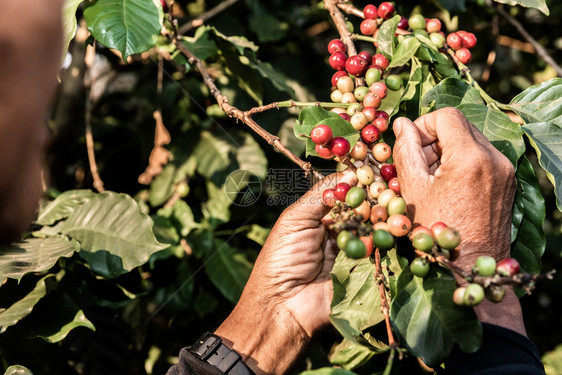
[(178, 295)]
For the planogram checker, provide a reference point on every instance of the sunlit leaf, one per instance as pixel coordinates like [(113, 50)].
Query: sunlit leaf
[(385, 36), (62, 206), (540, 103), (349, 355), (18, 370), (538, 4)]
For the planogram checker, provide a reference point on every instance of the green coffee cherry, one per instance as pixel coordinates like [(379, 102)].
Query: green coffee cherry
[(485, 266), (423, 242), (355, 196), (355, 248), (420, 267), (343, 237), (383, 239), (473, 295), (449, 238)]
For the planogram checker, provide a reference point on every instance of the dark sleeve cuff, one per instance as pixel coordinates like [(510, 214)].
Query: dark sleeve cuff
[(189, 364), (503, 352)]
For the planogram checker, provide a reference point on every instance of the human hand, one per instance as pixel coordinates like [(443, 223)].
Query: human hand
[(288, 295), (448, 171)]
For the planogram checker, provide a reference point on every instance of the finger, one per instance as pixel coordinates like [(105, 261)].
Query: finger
[(311, 206), (409, 157)]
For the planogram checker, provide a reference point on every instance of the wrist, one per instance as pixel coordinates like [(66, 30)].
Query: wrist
[(269, 340), (506, 313)]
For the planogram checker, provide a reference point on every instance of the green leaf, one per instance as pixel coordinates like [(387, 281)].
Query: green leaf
[(451, 92), (267, 27), (349, 355), (540, 103), (454, 6), (404, 52), (62, 314), (537, 4), (20, 309), (203, 44), (546, 139), (69, 22), (385, 36), (162, 187), (228, 269), (212, 154), (62, 206), (279, 80), (552, 360), (33, 255), (503, 133), (250, 156), (439, 64), (356, 301), (258, 234), (18, 370), (289, 139), (164, 230), (427, 321), (112, 225), (182, 217), (530, 241), (328, 371), (218, 205), (129, 26)]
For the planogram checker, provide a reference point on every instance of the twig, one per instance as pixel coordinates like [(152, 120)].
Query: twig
[(541, 51), (339, 21), (389, 362), (236, 113), (97, 181), (384, 299), (206, 16), (350, 9)]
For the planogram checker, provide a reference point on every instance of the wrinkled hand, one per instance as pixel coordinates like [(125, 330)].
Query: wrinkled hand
[(287, 298), (448, 171)]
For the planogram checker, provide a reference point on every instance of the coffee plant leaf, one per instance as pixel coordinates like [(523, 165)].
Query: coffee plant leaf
[(114, 226), (453, 6), (350, 355), (385, 36), (34, 255), (217, 207), (537, 4), (202, 45), (164, 230), (268, 28), (356, 301), (23, 307), (426, 320), (404, 51), (440, 66), (227, 268), (250, 156), (530, 241), (183, 219), (69, 23), (62, 206), (258, 234), (129, 26), (546, 139), (451, 92), (213, 154), (503, 133), (18, 370), (62, 314), (540, 103)]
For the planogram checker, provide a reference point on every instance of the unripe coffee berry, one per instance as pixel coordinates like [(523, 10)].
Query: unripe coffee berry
[(360, 93), (343, 237), (336, 96), (359, 121), (321, 134), (355, 196), (370, 112), (398, 225), (417, 21), (378, 214), (348, 98), (485, 266), (372, 100), (359, 151), (423, 242), (329, 198), (379, 89), (354, 108), (365, 175), (420, 267), (364, 210), (383, 239), (368, 241), (495, 293), (437, 228), (449, 238), (381, 152), (370, 133), (355, 248), (396, 205), (458, 296), (385, 196), (336, 45), (437, 39), (337, 60), (323, 152), (345, 84), (372, 75), (370, 12), (393, 82), (473, 295), (376, 189), (337, 75), (340, 191)]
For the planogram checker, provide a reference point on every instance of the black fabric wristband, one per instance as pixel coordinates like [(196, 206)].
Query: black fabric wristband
[(210, 349)]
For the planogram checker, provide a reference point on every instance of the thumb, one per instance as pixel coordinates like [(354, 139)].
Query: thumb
[(311, 206), (409, 158)]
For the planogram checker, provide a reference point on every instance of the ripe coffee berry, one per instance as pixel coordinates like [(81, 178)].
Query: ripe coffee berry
[(394, 185), (345, 116), (468, 40), (370, 134), (381, 60), (436, 229), (403, 23), (370, 112), (368, 27), (372, 100), (388, 171), (364, 210), (336, 45), (356, 65), (328, 197), (464, 55), (339, 146), (378, 213), (321, 134), (381, 124), (386, 10), (337, 75), (366, 55), (398, 224), (337, 60), (433, 25), (323, 152), (382, 114), (370, 12), (379, 89), (368, 241), (340, 191), (508, 267), (454, 41)]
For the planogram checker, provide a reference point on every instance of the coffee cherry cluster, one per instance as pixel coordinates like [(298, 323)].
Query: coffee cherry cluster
[(462, 42), (486, 266)]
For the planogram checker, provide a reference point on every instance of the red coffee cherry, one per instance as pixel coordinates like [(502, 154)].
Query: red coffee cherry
[(337, 75), (321, 134), (388, 171), (323, 152), (368, 27), (380, 60), (468, 40), (464, 55), (356, 65), (437, 228), (394, 185), (382, 114), (339, 146), (329, 198), (508, 267), (403, 23), (381, 123), (380, 89), (370, 112), (398, 225), (372, 100), (386, 10), (366, 55), (345, 116), (337, 60), (340, 191), (370, 12), (454, 41), (370, 134), (433, 25), (336, 45)]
